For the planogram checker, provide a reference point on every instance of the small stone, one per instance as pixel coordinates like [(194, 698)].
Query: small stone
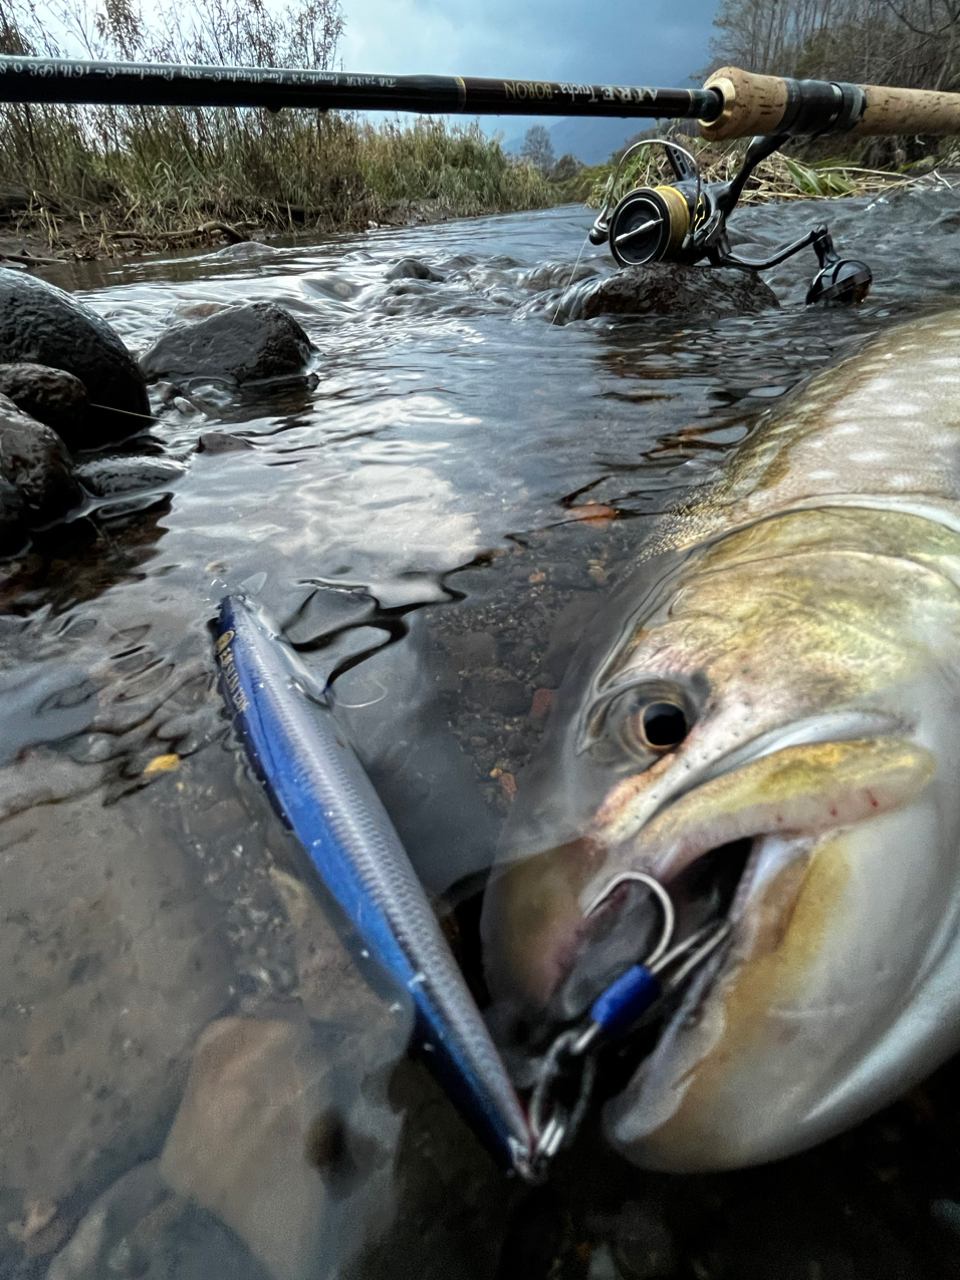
[(542, 702), (38, 1214), (34, 460), (508, 784), (413, 269), (539, 576), (51, 396), (221, 442)]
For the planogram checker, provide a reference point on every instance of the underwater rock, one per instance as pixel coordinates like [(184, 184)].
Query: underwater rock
[(110, 965), (110, 477), (34, 460), (255, 342), (279, 1140), (413, 269), (52, 396), (40, 324), (139, 1227), (221, 442), (669, 289)]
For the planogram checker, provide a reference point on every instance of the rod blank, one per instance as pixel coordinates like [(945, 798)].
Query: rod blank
[(25, 79)]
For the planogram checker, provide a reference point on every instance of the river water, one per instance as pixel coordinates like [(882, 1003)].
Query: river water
[(410, 515)]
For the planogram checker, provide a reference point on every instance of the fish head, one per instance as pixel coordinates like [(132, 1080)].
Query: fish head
[(771, 735)]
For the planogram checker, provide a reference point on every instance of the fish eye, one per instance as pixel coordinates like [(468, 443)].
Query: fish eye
[(639, 723), (660, 726)]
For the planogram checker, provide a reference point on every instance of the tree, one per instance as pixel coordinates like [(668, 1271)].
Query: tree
[(537, 148)]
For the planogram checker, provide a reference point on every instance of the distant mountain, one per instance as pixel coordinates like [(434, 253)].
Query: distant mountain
[(590, 140)]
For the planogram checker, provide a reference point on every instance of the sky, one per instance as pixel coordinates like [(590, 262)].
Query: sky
[(642, 42)]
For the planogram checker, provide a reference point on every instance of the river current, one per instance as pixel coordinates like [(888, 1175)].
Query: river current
[(195, 1078)]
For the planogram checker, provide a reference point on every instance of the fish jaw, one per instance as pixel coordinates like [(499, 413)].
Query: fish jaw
[(836, 994)]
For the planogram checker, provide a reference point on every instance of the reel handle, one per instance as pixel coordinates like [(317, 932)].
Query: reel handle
[(755, 104)]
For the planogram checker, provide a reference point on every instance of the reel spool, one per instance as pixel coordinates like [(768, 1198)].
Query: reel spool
[(686, 221)]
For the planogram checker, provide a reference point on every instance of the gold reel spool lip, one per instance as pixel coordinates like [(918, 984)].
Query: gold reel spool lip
[(679, 217)]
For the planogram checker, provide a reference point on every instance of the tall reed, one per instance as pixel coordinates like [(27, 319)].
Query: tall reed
[(164, 170)]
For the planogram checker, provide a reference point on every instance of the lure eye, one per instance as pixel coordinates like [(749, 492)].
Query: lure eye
[(661, 725)]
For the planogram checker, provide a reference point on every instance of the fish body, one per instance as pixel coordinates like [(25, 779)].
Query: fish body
[(320, 789), (776, 698)]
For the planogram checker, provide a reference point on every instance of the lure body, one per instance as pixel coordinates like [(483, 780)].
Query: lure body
[(322, 792)]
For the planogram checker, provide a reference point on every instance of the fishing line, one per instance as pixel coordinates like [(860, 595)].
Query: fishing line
[(573, 272)]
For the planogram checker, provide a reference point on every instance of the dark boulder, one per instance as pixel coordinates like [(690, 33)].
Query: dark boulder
[(12, 519), (413, 269), (50, 395), (250, 343), (669, 289), (35, 461), (40, 324)]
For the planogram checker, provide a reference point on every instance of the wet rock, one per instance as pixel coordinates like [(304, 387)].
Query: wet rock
[(413, 269), (557, 275), (34, 460), (12, 518), (668, 289), (221, 442), (111, 477), (140, 1228), (110, 964), (282, 1146), (256, 342), (52, 396), (40, 324)]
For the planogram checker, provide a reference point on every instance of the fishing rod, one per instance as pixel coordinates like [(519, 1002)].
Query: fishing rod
[(732, 103), (683, 221)]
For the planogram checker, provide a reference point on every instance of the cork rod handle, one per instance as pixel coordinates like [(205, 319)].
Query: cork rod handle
[(757, 104)]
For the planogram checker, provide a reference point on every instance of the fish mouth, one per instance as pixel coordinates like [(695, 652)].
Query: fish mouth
[(715, 848)]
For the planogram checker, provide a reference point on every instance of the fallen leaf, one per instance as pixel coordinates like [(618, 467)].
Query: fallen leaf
[(162, 764), (539, 576), (595, 512), (509, 784)]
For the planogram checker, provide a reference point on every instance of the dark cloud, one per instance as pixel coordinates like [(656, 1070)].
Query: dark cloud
[(656, 42)]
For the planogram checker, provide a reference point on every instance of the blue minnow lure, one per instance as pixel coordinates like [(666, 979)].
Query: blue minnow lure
[(321, 791)]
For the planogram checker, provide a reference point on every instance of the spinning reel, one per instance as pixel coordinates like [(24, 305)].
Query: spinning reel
[(686, 221)]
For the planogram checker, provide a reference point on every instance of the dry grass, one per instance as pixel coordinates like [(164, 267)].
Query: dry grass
[(104, 176), (779, 177)]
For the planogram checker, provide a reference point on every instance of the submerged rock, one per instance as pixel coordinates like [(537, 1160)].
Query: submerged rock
[(42, 325), (139, 1227), (110, 965), (255, 342), (111, 477), (52, 396), (413, 269), (34, 460), (284, 1146), (669, 289)]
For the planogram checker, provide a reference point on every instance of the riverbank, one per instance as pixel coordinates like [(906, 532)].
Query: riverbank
[(115, 204)]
